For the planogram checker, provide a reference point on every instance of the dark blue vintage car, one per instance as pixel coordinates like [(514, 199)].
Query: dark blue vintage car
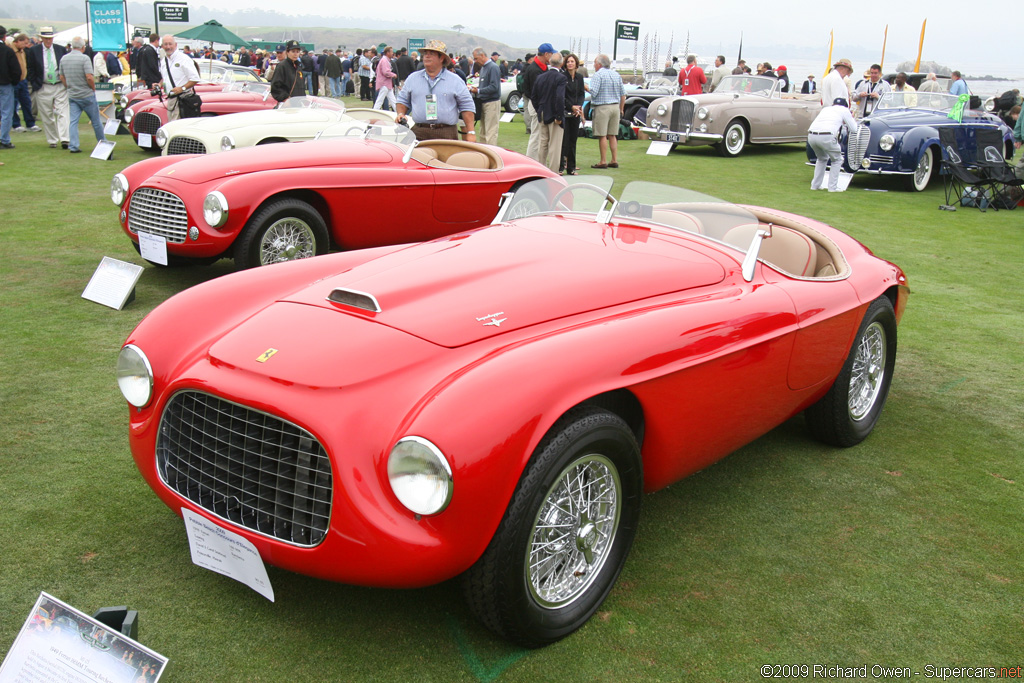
[(901, 137)]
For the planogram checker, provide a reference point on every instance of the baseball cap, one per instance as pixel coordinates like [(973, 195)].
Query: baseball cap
[(545, 48), (280, 47), (841, 101)]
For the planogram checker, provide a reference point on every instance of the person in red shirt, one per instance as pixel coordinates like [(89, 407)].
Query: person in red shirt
[(691, 77)]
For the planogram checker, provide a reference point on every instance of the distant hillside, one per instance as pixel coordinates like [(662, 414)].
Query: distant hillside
[(352, 38)]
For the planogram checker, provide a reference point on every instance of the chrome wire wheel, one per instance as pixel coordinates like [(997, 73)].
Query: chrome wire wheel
[(287, 239), (867, 376), (574, 531)]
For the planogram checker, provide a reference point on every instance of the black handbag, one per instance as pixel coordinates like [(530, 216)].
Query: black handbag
[(190, 104)]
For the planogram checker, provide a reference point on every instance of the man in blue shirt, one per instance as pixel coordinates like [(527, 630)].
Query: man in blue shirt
[(436, 98), (957, 86), (488, 91), (608, 97)]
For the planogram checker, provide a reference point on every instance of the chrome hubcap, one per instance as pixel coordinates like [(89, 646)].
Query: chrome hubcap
[(868, 372), (574, 531), (523, 208), (923, 168), (286, 240), (735, 139)]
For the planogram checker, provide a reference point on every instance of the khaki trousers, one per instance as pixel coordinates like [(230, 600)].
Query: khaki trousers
[(531, 122), (549, 144), (52, 111), (489, 115)]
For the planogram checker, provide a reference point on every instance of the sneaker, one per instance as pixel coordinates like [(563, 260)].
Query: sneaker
[(36, 129), (19, 129), (6, 145)]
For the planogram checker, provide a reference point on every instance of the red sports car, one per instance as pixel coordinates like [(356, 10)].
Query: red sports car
[(146, 116), (281, 202), (495, 402)]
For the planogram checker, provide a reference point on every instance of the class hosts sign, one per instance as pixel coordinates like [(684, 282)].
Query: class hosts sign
[(108, 27)]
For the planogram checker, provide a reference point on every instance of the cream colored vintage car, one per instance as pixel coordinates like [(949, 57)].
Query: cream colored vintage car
[(742, 110), (297, 120)]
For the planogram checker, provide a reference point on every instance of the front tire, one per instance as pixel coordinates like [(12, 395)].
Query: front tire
[(734, 139), (848, 412), (285, 230), (512, 103), (922, 175), (566, 533)]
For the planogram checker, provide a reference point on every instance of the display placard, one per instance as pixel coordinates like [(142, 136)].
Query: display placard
[(113, 283), (416, 43), (152, 247), (659, 148), (627, 30), (508, 117), (177, 12), (225, 552), (59, 643), (145, 140), (103, 150)]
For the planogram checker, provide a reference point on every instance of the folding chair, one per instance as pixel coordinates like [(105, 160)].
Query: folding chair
[(992, 166), (960, 179)]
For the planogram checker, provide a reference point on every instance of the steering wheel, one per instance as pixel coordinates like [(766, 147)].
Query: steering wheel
[(580, 186)]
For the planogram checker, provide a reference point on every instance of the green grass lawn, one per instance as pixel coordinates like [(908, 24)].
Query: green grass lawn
[(906, 550)]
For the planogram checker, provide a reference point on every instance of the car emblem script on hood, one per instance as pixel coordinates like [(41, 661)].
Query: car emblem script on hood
[(492, 319), (265, 356)]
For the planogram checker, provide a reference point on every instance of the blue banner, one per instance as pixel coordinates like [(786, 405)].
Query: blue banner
[(108, 24)]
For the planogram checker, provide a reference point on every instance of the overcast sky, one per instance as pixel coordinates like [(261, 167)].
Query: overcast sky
[(955, 35)]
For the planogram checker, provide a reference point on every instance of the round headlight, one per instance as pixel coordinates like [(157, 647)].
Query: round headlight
[(215, 209), (990, 104), (886, 142), (420, 476), (661, 110), (161, 137), (129, 114), (702, 113), (227, 143), (118, 189), (134, 376)]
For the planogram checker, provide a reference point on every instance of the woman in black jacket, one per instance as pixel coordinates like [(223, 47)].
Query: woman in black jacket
[(575, 92)]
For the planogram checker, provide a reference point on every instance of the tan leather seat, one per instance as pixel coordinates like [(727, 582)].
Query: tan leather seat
[(787, 249), (424, 154), (469, 159), (678, 219)]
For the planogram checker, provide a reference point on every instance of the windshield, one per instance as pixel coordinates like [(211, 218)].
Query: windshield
[(384, 130), (937, 101), (746, 85), (309, 102), (258, 88), (640, 203)]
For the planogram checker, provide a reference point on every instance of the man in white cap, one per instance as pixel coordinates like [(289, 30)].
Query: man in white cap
[(49, 95), (436, 98), (823, 138)]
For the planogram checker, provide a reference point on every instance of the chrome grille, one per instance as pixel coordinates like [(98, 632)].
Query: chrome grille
[(880, 159), (158, 212), (146, 123), (181, 144), (857, 145), (245, 466), (682, 115)]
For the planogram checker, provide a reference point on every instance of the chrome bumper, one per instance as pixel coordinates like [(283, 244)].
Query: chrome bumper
[(681, 138)]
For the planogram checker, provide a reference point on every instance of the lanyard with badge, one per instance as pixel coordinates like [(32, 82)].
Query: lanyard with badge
[(431, 98)]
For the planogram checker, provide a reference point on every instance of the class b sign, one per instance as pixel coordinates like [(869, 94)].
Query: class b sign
[(627, 30), (172, 13)]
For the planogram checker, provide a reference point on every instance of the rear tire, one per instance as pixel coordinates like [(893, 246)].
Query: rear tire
[(848, 412), (566, 533)]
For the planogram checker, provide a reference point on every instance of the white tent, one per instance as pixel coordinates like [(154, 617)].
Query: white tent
[(64, 37)]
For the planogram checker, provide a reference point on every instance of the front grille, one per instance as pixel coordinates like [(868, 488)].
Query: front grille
[(247, 467), (181, 144), (880, 159), (857, 146), (682, 115), (146, 123), (158, 212)]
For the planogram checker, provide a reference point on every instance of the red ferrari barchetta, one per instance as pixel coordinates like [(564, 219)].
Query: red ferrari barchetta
[(288, 201), (494, 403)]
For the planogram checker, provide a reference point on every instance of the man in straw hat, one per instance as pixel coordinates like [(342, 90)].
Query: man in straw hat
[(49, 95), (436, 98), (834, 84)]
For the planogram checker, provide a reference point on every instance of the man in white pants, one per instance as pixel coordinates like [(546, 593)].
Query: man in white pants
[(823, 137)]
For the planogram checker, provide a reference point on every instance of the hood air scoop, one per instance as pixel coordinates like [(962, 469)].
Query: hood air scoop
[(355, 299)]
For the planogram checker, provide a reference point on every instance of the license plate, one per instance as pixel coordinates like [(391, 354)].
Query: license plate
[(671, 137)]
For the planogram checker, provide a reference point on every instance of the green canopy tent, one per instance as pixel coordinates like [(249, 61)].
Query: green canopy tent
[(213, 32)]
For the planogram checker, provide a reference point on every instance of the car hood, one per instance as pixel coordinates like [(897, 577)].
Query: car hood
[(265, 118), (207, 167), (472, 286)]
